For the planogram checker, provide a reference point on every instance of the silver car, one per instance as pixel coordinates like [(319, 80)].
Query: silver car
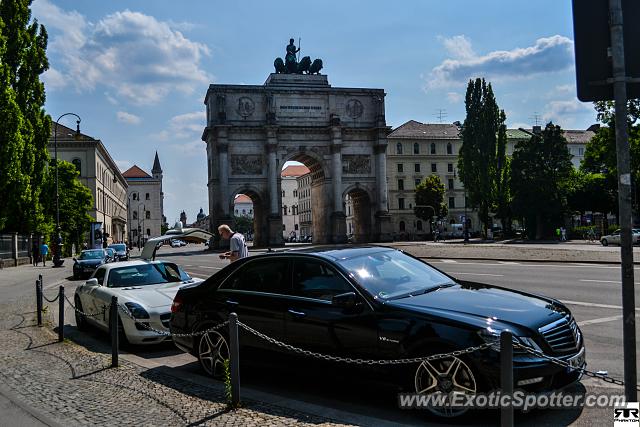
[(614, 238)]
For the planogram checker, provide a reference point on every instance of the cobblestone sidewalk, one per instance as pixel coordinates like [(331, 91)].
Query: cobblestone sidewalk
[(74, 386)]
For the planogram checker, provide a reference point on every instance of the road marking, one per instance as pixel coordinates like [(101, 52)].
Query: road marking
[(212, 268), (478, 274), (449, 261), (600, 320), (600, 281), (592, 304), (509, 263)]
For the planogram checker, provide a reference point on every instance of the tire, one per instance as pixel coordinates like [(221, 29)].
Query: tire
[(81, 320), (604, 242), (445, 376), (213, 350)]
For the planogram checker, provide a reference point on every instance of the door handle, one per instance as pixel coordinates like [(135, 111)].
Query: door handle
[(296, 313), (232, 303)]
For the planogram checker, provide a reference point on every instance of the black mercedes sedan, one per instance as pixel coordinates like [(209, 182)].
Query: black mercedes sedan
[(380, 303), (88, 261)]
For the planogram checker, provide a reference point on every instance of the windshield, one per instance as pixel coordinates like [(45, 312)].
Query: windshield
[(146, 274), (118, 247), (97, 254), (392, 274)]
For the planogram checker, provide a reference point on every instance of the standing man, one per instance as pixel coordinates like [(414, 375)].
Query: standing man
[(35, 253), (44, 251), (237, 245)]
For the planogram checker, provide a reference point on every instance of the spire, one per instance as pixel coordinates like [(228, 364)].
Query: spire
[(156, 165)]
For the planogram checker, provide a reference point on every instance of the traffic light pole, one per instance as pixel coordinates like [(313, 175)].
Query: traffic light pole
[(624, 200)]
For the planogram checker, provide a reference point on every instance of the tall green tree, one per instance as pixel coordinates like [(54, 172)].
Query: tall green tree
[(591, 192), (430, 192), (26, 127), (502, 193), (540, 177), (75, 202), (482, 159)]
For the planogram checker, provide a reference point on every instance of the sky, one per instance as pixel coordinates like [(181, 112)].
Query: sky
[(137, 71)]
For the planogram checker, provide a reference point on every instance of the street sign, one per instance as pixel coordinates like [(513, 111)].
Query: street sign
[(592, 41)]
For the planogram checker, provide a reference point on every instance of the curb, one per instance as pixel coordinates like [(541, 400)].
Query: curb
[(35, 413)]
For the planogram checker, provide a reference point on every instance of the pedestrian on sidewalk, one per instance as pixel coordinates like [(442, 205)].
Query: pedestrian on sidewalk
[(44, 251), (35, 253), (563, 234), (237, 244)]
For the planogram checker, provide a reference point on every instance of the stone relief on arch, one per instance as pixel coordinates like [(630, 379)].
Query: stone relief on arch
[(356, 164), (247, 164)]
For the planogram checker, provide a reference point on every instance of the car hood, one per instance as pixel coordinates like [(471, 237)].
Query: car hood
[(483, 305), (150, 296), (89, 262)]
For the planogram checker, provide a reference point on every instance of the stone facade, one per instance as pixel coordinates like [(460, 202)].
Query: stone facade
[(99, 172), (290, 201), (340, 134)]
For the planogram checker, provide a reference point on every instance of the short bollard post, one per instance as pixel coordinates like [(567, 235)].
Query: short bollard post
[(113, 319), (39, 300), (506, 376), (61, 314), (40, 278), (234, 355)]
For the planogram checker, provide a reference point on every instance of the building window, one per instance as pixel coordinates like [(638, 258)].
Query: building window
[(284, 227), (284, 209), (400, 167), (416, 167), (580, 151), (401, 184), (419, 225), (295, 227), (402, 227), (399, 148), (295, 193), (135, 195), (449, 148), (433, 148), (282, 193), (434, 167), (417, 181), (147, 196), (449, 167), (401, 203), (452, 202), (416, 148), (135, 214), (147, 215), (78, 164), (244, 211), (148, 232), (450, 183)]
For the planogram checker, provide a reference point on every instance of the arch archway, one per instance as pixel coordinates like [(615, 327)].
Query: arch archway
[(360, 210), (256, 214)]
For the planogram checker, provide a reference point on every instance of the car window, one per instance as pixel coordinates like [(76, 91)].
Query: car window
[(96, 254), (144, 274), (267, 275), (315, 279), (99, 274)]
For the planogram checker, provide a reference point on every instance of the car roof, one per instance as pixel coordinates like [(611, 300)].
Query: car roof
[(338, 252), (114, 265)]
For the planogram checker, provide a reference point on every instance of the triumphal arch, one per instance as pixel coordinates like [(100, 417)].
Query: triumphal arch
[(340, 134)]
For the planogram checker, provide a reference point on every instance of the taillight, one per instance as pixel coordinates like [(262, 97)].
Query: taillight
[(176, 306)]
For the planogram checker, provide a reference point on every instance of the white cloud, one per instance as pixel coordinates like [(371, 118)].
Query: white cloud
[(563, 111), (137, 57), (53, 79), (547, 55), (191, 149), (128, 118), (185, 125), (454, 97)]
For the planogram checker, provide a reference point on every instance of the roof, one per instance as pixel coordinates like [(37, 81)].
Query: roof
[(517, 134), (578, 136), (295, 170), (135, 172), (156, 165), (416, 130), (242, 199)]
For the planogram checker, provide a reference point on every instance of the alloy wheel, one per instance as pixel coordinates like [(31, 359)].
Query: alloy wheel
[(81, 321), (445, 378), (212, 352)]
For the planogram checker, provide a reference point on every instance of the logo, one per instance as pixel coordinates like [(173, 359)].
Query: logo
[(627, 415)]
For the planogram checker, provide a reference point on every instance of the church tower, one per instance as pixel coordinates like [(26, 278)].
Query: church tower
[(156, 171)]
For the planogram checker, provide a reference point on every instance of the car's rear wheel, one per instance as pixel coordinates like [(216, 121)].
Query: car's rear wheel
[(213, 350), (444, 378), (81, 320), (605, 242)]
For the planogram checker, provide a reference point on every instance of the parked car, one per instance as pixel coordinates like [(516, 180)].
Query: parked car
[(177, 243), (614, 238), (88, 261), (145, 288), (380, 303), (122, 252)]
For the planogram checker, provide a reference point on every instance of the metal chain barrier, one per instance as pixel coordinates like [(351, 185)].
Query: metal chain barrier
[(564, 364), (83, 313), (51, 300), (146, 326), (362, 361)]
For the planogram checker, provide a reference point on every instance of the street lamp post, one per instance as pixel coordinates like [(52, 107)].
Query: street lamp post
[(57, 261)]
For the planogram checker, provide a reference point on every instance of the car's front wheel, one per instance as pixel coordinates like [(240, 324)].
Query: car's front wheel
[(604, 242), (443, 379), (81, 320), (213, 350)]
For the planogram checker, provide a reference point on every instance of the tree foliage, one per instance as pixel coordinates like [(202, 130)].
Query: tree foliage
[(590, 192), (430, 192), (482, 160), (540, 176), (26, 127), (502, 192)]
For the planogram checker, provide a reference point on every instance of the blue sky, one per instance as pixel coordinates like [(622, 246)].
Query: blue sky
[(137, 71)]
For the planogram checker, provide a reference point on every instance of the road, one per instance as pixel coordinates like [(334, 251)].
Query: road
[(592, 292)]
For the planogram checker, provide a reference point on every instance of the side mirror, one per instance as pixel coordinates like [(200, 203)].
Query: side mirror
[(346, 300), (92, 282)]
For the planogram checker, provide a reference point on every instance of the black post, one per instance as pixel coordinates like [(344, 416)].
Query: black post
[(39, 300), (506, 376), (234, 355), (61, 314), (113, 319)]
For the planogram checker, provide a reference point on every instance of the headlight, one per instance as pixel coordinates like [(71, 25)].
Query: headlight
[(492, 336), (137, 310)]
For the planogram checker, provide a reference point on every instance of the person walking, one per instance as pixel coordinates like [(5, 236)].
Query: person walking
[(35, 253), (44, 251), (563, 234), (237, 244)]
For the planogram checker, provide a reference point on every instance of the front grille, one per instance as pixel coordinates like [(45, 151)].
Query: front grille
[(562, 336), (165, 318)]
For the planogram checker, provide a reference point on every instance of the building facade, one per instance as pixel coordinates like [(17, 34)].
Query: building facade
[(98, 171), (145, 200), (290, 200), (305, 217)]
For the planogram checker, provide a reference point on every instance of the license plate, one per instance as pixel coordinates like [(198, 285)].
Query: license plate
[(578, 360)]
